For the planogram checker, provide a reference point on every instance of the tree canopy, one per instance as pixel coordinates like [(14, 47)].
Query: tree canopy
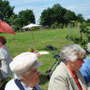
[(69, 16), (59, 15), (80, 18), (51, 15), (25, 17), (5, 10), (7, 14)]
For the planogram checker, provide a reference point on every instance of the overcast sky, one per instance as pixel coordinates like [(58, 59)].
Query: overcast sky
[(78, 6)]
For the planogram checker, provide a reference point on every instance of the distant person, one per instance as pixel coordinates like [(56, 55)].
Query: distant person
[(85, 69), (67, 76), (26, 75), (5, 60)]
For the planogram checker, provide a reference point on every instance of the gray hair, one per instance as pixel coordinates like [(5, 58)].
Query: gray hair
[(71, 52), (18, 76), (88, 47)]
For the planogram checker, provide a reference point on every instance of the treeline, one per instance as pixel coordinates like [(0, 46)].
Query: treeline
[(7, 14), (57, 16)]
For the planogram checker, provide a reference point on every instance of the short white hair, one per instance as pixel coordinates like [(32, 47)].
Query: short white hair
[(71, 52)]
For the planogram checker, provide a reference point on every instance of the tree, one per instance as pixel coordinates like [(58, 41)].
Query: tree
[(84, 35), (80, 18), (69, 16), (52, 15), (5, 10), (59, 13), (25, 17), (88, 20), (47, 17), (12, 19)]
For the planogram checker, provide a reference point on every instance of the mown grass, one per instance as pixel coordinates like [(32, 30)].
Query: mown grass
[(23, 42)]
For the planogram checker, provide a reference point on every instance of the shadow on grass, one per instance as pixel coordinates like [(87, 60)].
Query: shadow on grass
[(43, 79)]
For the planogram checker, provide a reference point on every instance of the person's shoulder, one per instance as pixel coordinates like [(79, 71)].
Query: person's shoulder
[(2, 51), (87, 61), (86, 58), (37, 86), (11, 85), (61, 68), (60, 71)]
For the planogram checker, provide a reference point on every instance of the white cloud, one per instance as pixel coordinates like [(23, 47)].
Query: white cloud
[(79, 8), (88, 16), (36, 10), (83, 9)]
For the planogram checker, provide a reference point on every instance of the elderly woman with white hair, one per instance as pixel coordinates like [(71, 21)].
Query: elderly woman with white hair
[(67, 76), (25, 68)]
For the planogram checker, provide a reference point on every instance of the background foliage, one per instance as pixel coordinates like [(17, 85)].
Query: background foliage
[(5, 10)]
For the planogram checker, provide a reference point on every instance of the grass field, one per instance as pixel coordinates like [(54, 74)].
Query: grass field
[(23, 42)]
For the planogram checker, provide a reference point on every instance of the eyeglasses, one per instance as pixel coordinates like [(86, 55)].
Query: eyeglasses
[(80, 59)]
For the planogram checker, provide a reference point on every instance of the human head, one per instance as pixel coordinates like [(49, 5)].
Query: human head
[(2, 40), (72, 52), (23, 63), (73, 55)]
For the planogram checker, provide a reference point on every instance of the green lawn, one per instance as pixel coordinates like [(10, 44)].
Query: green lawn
[(23, 43)]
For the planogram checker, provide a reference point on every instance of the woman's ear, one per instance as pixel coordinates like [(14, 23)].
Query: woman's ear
[(67, 60)]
